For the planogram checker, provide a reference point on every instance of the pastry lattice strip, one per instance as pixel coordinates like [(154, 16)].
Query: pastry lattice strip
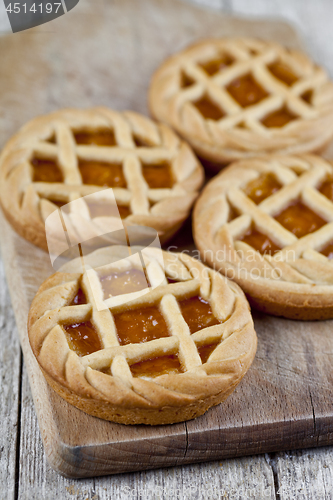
[(119, 357), (302, 187), (162, 147), (244, 62)]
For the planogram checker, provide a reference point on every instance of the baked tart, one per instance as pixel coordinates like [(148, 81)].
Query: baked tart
[(152, 344), (70, 154), (235, 98), (268, 224)]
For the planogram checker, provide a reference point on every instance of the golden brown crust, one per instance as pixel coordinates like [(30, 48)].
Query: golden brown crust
[(297, 282), (117, 395), (26, 204), (240, 133)]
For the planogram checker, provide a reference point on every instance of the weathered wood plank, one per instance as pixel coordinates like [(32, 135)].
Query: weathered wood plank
[(249, 477), (37, 480), (104, 447), (305, 474), (10, 368), (249, 472)]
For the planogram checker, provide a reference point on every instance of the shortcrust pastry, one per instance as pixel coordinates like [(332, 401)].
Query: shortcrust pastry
[(268, 224), (152, 345), (61, 157), (235, 98)]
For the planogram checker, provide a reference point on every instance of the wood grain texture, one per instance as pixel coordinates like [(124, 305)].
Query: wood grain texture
[(38, 480), (305, 474), (75, 443), (248, 477), (10, 368)]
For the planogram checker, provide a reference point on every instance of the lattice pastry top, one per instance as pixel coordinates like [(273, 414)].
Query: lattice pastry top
[(235, 98), (152, 337), (60, 157), (268, 224)]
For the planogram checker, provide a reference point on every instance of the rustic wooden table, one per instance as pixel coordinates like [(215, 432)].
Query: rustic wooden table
[(24, 472)]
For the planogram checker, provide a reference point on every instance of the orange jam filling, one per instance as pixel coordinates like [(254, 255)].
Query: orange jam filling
[(260, 242), (158, 176), (299, 219), (154, 367), (79, 298), (215, 65), (132, 280), (186, 81), (278, 118), (45, 171), (102, 174), (52, 139), (208, 109), (141, 143), (282, 72), (98, 138), (307, 96), (328, 251), (140, 325), (108, 209), (326, 188), (59, 204), (197, 313), (262, 187), (82, 338), (205, 351), (246, 91)]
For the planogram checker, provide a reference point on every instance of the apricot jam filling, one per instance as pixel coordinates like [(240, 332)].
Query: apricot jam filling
[(246, 91), (260, 242), (205, 351), (153, 367), (132, 280), (102, 174), (197, 313), (59, 204), (215, 65), (283, 73), (108, 209), (104, 137), (141, 143), (82, 338), (45, 171), (79, 298), (158, 176), (328, 251), (208, 109), (185, 80), (278, 118), (51, 140), (262, 187), (140, 325), (326, 188), (299, 219), (307, 96)]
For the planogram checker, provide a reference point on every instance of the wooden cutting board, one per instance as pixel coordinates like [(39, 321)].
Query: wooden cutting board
[(103, 53)]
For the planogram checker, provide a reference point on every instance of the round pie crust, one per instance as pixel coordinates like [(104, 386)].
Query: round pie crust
[(182, 80), (118, 395), (138, 140), (297, 280)]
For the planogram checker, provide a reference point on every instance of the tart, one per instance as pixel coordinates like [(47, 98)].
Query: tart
[(141, 344), (72, 154), (235, 98), (268, 224)]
